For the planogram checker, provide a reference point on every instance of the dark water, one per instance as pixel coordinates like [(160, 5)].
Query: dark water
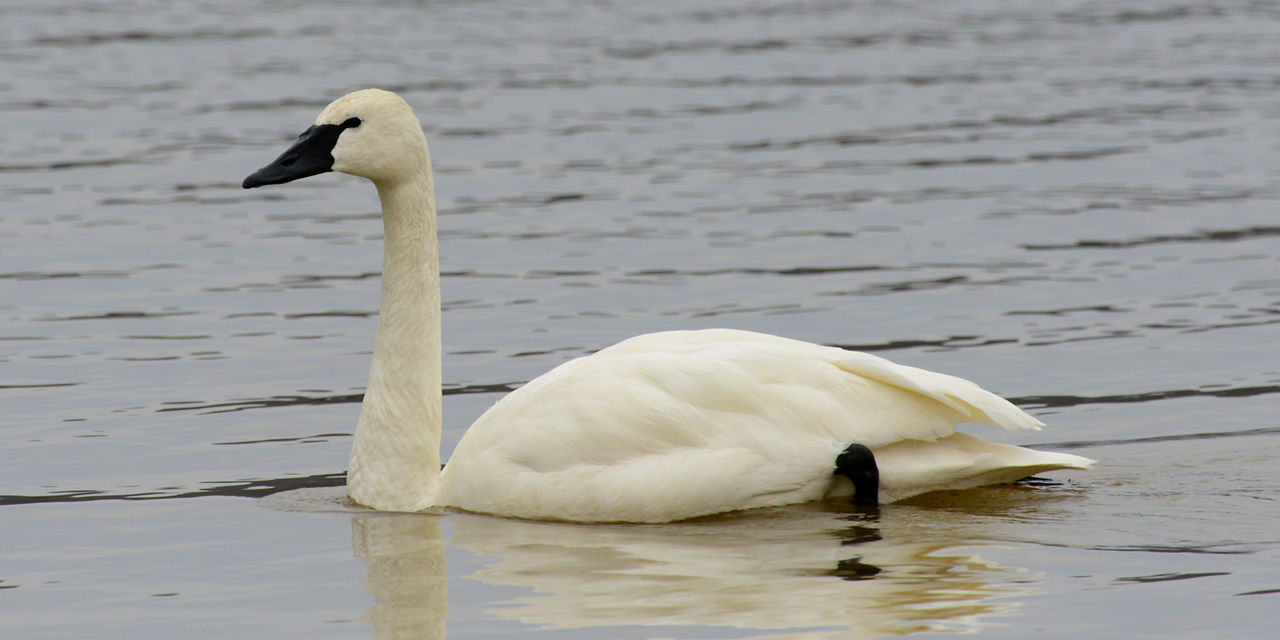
[(1072, 203)]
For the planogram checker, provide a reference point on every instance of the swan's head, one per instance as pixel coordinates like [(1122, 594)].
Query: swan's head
[(371, 133)]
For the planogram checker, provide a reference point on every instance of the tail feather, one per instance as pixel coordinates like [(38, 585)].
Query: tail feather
[(978, 404), (961, 461)]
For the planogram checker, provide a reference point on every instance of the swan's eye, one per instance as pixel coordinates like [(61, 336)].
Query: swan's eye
[(351, 123)]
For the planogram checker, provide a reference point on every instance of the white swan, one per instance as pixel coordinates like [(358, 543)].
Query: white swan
[(660, 427)]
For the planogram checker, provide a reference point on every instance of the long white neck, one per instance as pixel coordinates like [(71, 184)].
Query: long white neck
[(395, 459)]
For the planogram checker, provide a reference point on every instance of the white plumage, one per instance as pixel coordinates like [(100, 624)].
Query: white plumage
[(660, 427)]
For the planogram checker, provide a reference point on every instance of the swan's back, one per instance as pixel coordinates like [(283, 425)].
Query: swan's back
[(674, 425)]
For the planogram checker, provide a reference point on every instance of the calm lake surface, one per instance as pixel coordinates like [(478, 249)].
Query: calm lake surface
[(1072, 203)]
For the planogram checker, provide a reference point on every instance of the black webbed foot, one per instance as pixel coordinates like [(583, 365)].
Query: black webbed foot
[(858, 464)]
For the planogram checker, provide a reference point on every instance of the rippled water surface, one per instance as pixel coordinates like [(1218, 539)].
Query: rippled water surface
[(1072, 203)]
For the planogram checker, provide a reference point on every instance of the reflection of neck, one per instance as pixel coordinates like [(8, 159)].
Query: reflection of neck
[(407, 577), (395, 459)]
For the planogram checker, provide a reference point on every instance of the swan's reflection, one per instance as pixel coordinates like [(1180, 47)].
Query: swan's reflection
[(806, 570), (405, 557)]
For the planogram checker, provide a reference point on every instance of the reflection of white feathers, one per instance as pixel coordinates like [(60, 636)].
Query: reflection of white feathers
[(798, 569), (802, 571), (660, 427)]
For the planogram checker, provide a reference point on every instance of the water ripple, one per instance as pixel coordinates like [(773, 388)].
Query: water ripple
[(135, 35), (256, 488), (1215, 235), (232, 406), (1177, 437), (1054, 401)]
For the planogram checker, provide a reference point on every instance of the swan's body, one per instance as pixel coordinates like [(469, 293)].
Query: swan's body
[(660, 427)]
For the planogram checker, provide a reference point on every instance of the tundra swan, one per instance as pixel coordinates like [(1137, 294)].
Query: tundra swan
[(660, 427)]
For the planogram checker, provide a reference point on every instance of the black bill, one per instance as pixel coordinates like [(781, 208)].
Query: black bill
[(310, 155)]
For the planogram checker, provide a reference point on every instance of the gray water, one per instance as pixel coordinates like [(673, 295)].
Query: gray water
[(1071, 203)]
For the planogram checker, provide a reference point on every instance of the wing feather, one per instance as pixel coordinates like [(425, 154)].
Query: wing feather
[(678, 424)]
